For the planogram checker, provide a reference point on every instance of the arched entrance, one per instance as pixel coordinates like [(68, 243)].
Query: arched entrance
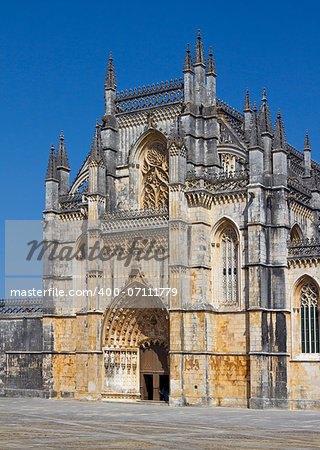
[(154, 372), (135, 345)]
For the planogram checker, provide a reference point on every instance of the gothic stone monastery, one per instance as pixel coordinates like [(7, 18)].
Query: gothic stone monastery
[(203, 286)]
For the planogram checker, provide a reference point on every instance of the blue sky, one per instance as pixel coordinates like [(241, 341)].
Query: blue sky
[(53, 61)]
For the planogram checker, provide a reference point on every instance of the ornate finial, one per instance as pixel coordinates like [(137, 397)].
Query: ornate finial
[(62, 158), (255, 134), (211, 66), (199, 54), (265, 117), (188, 67), (307, 142), (247, 102), (110, 82), (264, 95), (52, 166), (279, 140)]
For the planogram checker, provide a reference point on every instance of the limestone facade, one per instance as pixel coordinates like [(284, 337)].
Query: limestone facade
[(191, 233)]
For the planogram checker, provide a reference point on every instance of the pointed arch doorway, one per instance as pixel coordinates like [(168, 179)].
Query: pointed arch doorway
[(136, 347)]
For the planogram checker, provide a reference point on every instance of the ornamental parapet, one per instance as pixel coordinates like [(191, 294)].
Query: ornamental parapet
[(166, 93), (150, 96), (234, 117), (21, 306), (230, 110), (72, 202), (135, 218), (306, 248), (295, 167), (222, 187), (294, 151), (299, 191), (218, 183)]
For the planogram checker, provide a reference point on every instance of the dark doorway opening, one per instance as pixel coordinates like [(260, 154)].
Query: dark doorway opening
[(148, 379), (164, 388), (154, 373)]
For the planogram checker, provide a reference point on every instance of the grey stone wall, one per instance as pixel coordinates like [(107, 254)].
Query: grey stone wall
[(20, 356)]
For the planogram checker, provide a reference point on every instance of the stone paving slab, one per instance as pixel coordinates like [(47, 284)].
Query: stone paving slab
[(70, 424)]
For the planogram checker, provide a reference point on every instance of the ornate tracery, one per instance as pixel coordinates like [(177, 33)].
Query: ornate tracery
[(229, 246), (228, 163), (225, 264), (155, 177), (309, 300)]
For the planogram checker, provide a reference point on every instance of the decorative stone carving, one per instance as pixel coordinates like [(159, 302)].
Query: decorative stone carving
[(155, 177)]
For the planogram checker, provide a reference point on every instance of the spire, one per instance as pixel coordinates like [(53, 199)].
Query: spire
[(255, 135), (95, 151), (110, 82), (264, 116), (199, 55), (307, 156), (307, 146), (211, 66), (247, 102), (52, 166), (188, 66), (62, 159), (279, 140)]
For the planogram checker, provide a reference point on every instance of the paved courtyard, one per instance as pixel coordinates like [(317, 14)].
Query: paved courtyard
[(40, 423)]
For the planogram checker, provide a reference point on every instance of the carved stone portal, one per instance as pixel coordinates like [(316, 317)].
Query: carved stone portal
[(132, 324)]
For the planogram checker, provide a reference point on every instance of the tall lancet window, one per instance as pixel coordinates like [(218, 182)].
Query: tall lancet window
[(155, 169), (229, 253), (309, 303), (225, 264)]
